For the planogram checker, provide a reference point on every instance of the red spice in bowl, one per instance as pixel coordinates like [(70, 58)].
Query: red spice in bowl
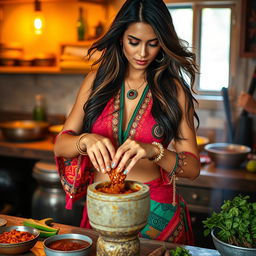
[(15, 236), (68, 244), (17, 239)]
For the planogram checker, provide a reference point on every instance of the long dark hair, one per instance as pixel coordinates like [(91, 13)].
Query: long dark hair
[(178, 64)]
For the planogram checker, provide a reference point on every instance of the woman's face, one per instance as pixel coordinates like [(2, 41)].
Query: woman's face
[(140, 45)]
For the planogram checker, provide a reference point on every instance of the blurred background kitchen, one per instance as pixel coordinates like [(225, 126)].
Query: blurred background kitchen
[(43, 44)]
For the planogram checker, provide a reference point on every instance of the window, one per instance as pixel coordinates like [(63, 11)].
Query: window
[(208, 29), (186, 14)]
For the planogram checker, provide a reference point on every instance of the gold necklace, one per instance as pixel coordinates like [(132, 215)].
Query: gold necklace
[(133, 93)]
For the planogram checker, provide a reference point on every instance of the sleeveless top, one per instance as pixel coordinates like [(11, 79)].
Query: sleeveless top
[(142, 126), (77, 173)]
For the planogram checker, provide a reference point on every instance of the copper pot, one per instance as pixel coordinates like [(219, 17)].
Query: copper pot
[(24, 130)]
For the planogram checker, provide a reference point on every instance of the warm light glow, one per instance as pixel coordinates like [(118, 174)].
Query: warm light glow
[(58, 24), (38, 23)]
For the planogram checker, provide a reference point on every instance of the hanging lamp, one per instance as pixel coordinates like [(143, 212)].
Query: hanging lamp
[(38, 18)]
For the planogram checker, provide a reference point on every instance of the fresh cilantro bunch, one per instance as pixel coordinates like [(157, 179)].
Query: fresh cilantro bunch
[(179, 251), (235, 223)]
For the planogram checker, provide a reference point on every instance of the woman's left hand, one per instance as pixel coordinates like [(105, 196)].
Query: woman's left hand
[(130, 152)]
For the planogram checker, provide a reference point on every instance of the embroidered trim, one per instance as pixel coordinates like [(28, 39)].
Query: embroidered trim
[(178, 229), (72, 188), (139, 114), (132, 128), (116, 117), (175, 168)]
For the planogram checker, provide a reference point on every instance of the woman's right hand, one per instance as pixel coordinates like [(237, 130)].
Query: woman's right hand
[(100, 151), (247, 102)]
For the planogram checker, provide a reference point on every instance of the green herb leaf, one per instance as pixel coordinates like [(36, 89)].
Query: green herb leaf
[(179, 251), (235, 223)]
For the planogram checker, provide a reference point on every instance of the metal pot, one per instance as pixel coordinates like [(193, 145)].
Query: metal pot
[(24, 130), (227, 155), (49, 198)]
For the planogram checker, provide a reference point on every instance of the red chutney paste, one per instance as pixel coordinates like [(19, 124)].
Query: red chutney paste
[(117, 185), (68, 244), (117, 189)]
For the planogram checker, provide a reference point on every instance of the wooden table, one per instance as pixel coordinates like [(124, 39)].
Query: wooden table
[(147, 246)]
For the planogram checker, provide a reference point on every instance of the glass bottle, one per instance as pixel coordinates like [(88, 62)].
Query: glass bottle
[(39, 111), (81, 26), (99, 29)]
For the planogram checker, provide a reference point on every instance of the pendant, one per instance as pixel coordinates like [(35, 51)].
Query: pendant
[(132, 94)]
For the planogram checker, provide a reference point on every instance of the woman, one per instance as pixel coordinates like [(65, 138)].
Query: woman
[(131, 108), (247, 102)]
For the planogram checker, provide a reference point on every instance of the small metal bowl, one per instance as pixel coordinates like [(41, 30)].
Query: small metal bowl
[(24, 130), (81, 252), (231, 250), (227, 155), (22, 247)]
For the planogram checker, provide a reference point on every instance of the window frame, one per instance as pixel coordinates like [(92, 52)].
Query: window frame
[(197, 8)]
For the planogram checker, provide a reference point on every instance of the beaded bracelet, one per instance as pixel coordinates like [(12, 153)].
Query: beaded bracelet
[(175, 168), (179, 164), (78, 147), (161, 152)]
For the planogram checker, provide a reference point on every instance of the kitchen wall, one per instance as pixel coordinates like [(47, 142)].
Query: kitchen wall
[(60, 21), (18, 90), (16, 26)]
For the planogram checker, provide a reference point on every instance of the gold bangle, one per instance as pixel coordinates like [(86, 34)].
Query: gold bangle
[(78, 147), (161, 152)]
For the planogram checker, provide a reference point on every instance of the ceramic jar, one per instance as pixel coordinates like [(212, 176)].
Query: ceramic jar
[(118, 218)]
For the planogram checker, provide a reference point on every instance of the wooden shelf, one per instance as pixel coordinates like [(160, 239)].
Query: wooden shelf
[(61, 1), (29, 69), (59, 68), (41, 70)]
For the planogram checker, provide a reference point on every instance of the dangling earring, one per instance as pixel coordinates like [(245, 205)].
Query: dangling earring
[(162, 59)]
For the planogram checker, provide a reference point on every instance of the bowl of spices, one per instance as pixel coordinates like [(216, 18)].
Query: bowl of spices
[(17, 239), (67, 244)]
